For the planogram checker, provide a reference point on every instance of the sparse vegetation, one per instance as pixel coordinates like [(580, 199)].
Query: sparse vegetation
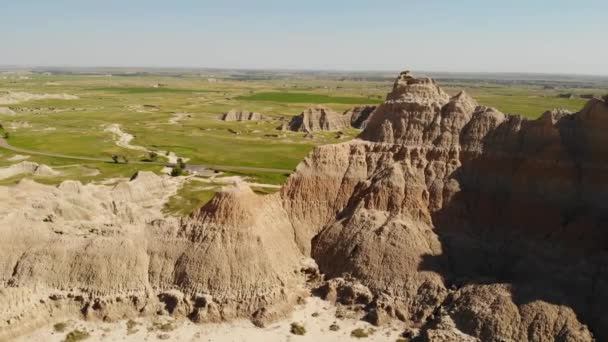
[(131, 327), (361, 333), (60, 327), (162, 326), (177, 171), (298, 329), (334, 327), (76, 335)]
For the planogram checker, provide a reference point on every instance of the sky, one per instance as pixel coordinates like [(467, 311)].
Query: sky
[(536, 36)]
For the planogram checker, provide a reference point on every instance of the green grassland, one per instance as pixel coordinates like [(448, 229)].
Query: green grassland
[(307, 98), (76, 127)]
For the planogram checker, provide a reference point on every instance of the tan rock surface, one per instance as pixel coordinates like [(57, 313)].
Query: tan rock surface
[(318, 118), (241, 115)]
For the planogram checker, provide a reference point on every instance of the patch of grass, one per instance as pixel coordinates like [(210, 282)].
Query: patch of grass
[(148, 90), (60, 327), (528, 106), (308, 98), (76, 335), (162, 326), (187, 199), (361, 333), (298, 329)]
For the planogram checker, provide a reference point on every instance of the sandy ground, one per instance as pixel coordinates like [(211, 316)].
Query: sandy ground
[(124, 140), (316, 316)]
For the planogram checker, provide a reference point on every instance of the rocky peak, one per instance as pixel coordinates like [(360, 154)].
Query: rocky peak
[(411, 89)]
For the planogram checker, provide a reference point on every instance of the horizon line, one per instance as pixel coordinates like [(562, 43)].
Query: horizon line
[(303, 69)]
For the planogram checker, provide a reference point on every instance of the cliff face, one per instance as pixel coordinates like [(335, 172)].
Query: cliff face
[(458, 219), (441, 192), (359, 115)]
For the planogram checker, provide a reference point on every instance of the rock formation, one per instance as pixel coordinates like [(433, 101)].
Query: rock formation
[(102, 252), (14, 97), (241, 115), (463, 222), (359, 115), (26, 167), (317, 118)]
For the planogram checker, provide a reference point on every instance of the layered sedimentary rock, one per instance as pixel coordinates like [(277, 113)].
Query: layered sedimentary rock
[(108, 252), (241, 115), (317, 118), (359, 115), (463, 222), (441, 192)]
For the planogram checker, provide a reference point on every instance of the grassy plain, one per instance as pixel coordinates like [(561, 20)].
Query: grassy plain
[(180, 113)]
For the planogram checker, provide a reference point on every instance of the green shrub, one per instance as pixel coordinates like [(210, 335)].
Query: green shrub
[(297, 329), (60, 327), (76, 335), (359, 333), (177, 171)]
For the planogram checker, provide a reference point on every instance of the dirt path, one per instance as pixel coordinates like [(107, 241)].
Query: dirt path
[(5, 145)]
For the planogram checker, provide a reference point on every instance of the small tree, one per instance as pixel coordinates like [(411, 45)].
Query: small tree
[(177, 171), (181, 163), (115, 158)]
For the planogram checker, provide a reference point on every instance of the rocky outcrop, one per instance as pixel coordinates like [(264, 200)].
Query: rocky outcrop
[(440, 191), (241, 115), (317, 118), (28, 168), (466, 223), (359, 115), (108, 252)]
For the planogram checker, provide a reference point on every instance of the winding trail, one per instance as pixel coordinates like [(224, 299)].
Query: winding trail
[(5, 145)]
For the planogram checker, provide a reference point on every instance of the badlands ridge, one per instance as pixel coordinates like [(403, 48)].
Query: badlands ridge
[(463, 222)]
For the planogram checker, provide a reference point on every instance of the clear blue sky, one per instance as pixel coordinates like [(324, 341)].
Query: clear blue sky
[(552, 36)]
